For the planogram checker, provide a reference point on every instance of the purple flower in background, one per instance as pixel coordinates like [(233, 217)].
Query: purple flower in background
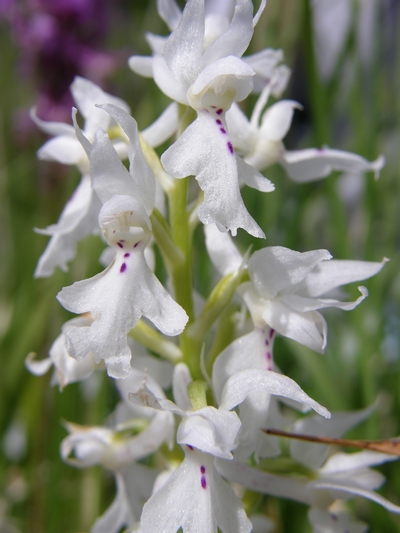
[(59, 39)]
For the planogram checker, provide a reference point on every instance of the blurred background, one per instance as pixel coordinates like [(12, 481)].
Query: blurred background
[(345, 63)]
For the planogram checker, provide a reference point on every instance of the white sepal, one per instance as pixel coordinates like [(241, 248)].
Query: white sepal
[(242, 383)]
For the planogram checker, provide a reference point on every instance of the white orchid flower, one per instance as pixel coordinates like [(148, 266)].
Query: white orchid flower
[(340, 477), (259, 409), (79, 217), (209, 80), (115, 449), (64, 146), (287, 289), (216, 508), (127, 289), (204, 434), (66, 369), (217, 19), (332, 521), (259, 142)]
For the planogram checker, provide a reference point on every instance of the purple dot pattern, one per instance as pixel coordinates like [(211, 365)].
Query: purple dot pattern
[(203, 479), (222, 129), (268, 342), (127, 254), (123, 268)]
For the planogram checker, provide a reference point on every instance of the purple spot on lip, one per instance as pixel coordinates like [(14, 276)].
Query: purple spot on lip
[(203, 482), (218, 122), (271, 333), (137, 244), (219, 111), (222, 130), (189, 446), (127, 254), (230, 147), (120, 244), (123, 268), (269, 356), (266, 342), (202, 469)]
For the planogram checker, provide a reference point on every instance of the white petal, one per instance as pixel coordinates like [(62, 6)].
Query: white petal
[(262, 482), (277, 119), (52, 128), (65, 149), (210, 430), (250, 176), (249, 351), (313, 455), (134, 381), (156, 43), (275, 269), (181, 380), (236, 40), (205, 151), (163, 128), (166, 81), (307, 328), (259, 12), (342, 488), (170, 13), (78, 219), (243, 135), (86, 95), (324, 521), (195, 480), (344, 462), (262, 524), (254, 415), (91, 446), (118, 515), (67, 369), (242, 383), (142, 65), (143, 177), (228, 79), (37, 368), (304, 305), (117, 298), (183, 50), (222, 250), (329, 275), (109, 175), (315, 163), (139, 481), (265, 62), (148, 441)]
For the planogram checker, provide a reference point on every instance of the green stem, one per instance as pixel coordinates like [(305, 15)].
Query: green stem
[(151, 339)]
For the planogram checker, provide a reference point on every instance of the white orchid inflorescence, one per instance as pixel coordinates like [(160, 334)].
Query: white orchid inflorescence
[(219, 392)]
